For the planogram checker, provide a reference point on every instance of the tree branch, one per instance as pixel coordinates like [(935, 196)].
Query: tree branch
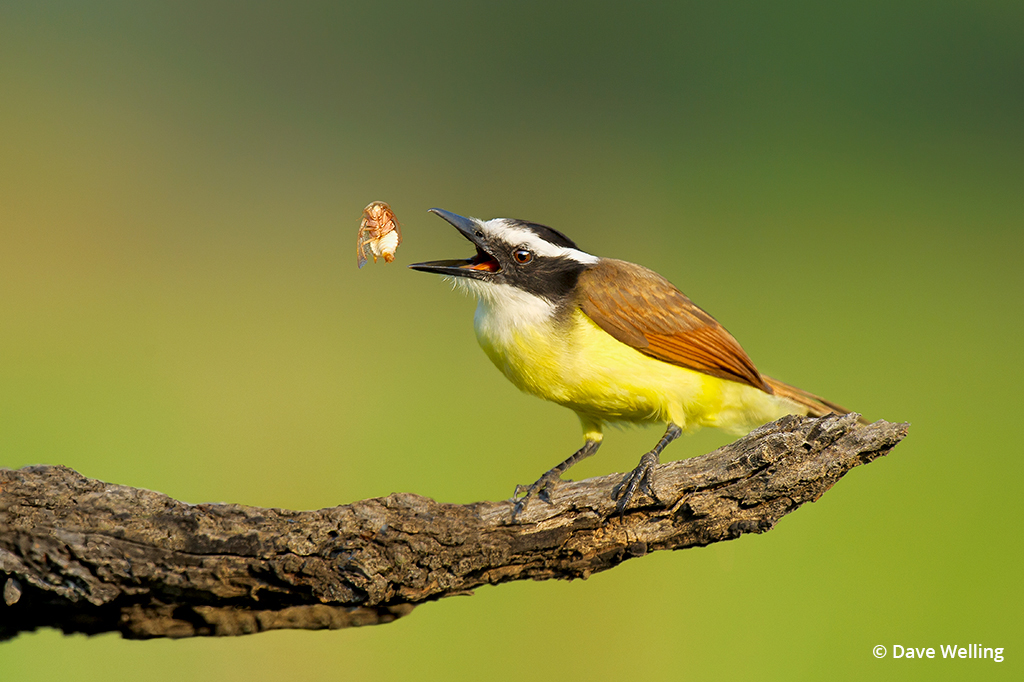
[(87, 556)]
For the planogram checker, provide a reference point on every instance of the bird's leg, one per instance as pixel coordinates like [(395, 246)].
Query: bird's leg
[(641, 476), (547, 482)]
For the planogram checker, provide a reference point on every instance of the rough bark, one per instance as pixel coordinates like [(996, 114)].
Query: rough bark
[(87, 556)]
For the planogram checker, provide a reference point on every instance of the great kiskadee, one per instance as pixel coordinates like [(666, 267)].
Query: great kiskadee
[(612, 341)]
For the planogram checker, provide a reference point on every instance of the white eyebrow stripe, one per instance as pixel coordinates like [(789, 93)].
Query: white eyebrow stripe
[(580, 256), (515, 235)]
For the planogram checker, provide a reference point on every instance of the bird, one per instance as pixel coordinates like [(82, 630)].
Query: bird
[(613, 341)]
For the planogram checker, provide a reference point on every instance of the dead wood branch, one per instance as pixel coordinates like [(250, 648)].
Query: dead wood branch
[(87, 556)]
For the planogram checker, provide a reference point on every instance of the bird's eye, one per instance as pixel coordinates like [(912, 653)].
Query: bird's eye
[(479, 234), (522, 256)]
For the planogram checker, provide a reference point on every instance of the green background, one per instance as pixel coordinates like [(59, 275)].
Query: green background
[(842, 187)]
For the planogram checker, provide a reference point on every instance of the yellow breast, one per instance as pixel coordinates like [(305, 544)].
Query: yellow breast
[(575, 363)]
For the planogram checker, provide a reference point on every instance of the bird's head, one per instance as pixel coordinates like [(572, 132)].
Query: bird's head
[(525, 256)]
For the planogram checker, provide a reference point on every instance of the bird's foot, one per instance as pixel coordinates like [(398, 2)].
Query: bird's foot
[(640, 478), (543, 488)]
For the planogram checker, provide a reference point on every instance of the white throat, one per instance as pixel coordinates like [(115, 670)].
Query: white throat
[(505, 311)]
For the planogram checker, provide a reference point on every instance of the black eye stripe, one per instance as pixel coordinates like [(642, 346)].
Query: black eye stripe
[(553, 279)]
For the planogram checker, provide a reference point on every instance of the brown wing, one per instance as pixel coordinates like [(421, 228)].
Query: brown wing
[(644, 310)]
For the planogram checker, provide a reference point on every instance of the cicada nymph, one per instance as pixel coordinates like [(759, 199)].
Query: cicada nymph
[(378, 234)]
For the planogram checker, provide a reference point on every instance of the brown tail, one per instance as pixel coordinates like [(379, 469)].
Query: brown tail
[(816, 406)]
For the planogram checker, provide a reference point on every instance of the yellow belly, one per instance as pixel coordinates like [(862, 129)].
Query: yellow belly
[(577, 364)]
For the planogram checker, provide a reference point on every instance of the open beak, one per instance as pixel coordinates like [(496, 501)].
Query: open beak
[(479, 266)]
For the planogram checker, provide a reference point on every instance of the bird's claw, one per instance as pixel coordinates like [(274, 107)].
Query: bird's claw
[(640, 478), (542, 487)]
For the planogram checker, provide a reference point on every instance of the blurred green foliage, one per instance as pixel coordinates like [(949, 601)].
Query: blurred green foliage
[(841, 186)]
